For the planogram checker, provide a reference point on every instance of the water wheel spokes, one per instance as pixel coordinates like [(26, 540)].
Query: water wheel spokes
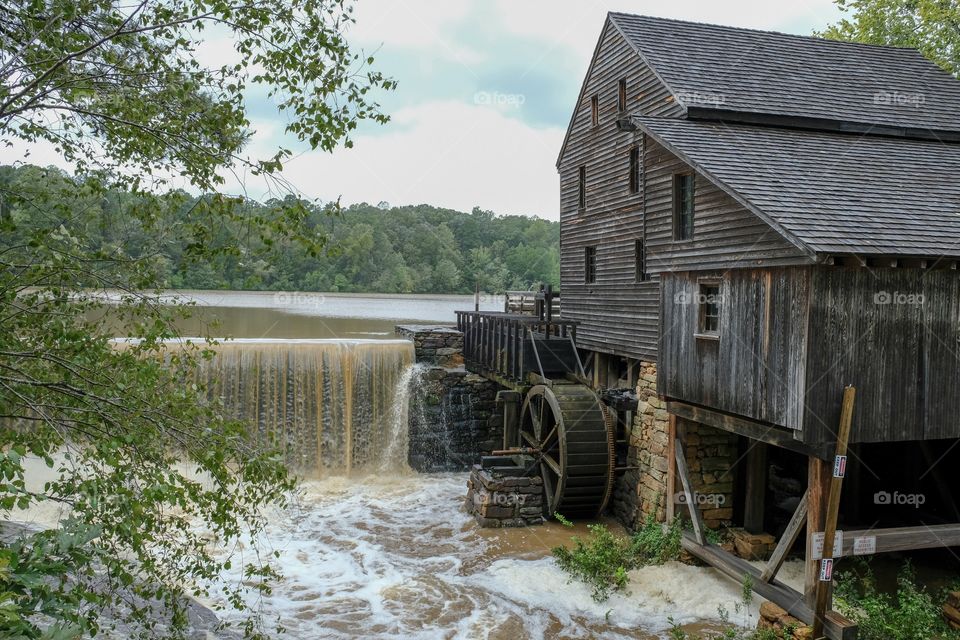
[(566, 428)]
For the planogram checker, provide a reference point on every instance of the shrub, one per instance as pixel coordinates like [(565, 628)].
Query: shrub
[(911, 613), (602, 560)]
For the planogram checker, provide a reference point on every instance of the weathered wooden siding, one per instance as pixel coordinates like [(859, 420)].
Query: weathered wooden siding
[(756, 367), (618, 314), (895, 335), (726, 235)]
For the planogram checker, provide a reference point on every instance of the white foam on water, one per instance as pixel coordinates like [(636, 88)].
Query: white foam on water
[(655, 594), (395, 557)]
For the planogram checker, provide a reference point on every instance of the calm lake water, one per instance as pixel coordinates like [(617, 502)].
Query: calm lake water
[(300, 314)]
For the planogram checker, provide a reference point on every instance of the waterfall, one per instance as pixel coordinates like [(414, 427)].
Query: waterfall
[(336, 406)]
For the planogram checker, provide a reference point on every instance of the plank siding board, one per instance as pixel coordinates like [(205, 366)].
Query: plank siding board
[(892, 333), (617, 314), (756, 368), (725, 234)]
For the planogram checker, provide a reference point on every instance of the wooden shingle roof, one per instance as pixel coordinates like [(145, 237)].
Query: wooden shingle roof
[(714, 70), (832, 193)]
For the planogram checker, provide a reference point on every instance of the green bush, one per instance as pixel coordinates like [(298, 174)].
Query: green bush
[(912, 613), (603, 559)]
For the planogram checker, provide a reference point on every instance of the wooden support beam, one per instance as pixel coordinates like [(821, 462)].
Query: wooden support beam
[(771, 434), (671, 468), (825, 584), (904, 538), (837, 627), (818, 486), (756, 487), (787, 541), (681, 458)]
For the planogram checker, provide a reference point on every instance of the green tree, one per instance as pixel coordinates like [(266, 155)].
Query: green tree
[(156, 486), (931, 26)]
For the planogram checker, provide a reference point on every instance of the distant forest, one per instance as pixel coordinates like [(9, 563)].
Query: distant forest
[(370, 248)]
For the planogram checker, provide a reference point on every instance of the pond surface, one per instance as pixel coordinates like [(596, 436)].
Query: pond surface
[(299, 314)]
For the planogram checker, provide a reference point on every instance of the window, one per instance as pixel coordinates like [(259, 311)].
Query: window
[(683, 186), (595, 110), (635, 170), (640, 261), (589, 264), (709, 301), (622, 95), (582, 188)]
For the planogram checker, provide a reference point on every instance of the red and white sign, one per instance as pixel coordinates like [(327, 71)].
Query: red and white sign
[(839, 466), (826, 570)]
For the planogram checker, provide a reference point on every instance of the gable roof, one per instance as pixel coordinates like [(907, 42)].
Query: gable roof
[(720, 69), (833, 193)]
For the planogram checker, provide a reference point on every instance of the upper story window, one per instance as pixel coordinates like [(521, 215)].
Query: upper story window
[(683, 191), (595, 110), (709, 302), (589, 264), (640, 261), (622, 95), (635, 170), (582, 188)]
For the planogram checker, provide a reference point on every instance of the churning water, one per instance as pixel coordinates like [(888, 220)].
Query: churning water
[(372, 550), (393, 556)]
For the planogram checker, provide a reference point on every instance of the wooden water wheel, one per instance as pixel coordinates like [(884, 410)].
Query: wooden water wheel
[(572, 436)]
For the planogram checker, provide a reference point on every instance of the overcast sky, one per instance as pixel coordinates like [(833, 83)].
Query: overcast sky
[(486, 88)]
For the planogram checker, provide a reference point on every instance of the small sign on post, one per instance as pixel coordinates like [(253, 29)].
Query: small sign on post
[(864, 545), (839, 466), (826, 570), (817, 549)]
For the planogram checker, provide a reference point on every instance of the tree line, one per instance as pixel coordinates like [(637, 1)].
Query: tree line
[(365, 248)]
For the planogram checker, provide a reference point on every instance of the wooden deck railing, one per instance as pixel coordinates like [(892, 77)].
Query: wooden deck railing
[(512, 345)]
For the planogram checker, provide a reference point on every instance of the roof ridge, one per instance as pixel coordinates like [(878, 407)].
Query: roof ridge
[(891, 47)]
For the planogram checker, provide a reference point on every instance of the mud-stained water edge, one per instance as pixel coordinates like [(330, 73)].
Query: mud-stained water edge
[(396, 557)]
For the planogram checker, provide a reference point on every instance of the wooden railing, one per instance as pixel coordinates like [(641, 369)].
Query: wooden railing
[(543, 303), (512, 345)]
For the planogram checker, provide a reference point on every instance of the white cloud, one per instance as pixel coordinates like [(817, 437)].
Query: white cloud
[(576, 25), (421, 25), (446, 154)]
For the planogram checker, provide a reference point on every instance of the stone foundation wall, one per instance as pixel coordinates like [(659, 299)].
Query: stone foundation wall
[(437, 345), (504, 497), (711, 455), (453, 416), (454, 420)]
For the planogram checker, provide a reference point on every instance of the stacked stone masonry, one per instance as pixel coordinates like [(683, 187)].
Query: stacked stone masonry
[(711, 457), (434, 344), (453, 417), (504, 497)]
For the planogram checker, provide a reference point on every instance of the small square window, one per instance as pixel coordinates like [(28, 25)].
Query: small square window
[(589, 264), (622, 95), (710, 302), (635, 170), (683, 201), (582, 188), (595, 110)]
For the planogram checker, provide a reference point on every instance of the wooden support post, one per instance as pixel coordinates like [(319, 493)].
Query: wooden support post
[(511, 417), (818, 486), (671, 468), (690, 499), (756, 487), (787, 541), (823, 590)]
